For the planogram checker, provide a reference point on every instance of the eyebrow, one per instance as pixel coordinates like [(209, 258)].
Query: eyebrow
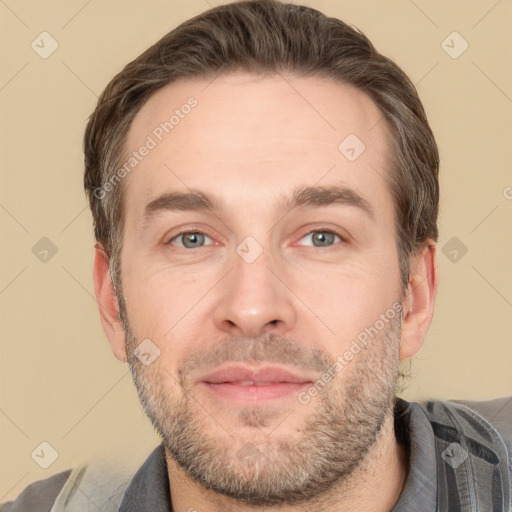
[(302, 197), (194, 200), (316, 197)]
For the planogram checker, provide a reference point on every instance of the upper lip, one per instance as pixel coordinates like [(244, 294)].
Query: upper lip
[(238, 373)]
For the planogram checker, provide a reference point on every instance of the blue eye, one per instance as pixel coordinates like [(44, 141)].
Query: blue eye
[(322, 238), (190, 240)]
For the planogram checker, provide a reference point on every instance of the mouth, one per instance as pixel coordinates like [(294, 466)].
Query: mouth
[(243, 383)]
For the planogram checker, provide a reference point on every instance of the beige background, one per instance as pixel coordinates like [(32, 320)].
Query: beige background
[(59, 381)]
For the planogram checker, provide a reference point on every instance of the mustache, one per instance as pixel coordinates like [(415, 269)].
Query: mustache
[(269, 347)]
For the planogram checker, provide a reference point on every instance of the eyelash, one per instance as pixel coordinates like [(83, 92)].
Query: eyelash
[(316, 230), (194, 231), (326, 230)]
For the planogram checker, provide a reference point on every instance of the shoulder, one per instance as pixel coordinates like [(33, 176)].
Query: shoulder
[(98, 484), (485, 418), (473, 448), (483, 428), (38, 496), (497, 412)]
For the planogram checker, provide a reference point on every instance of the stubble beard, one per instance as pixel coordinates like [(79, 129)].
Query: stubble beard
[(274, 468)]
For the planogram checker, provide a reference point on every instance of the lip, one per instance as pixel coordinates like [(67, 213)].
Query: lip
[(253, 384), (238, 373)]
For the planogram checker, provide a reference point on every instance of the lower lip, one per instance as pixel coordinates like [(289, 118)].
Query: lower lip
[(255, 393)]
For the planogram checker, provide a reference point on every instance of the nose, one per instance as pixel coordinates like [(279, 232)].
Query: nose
[(255, 300)]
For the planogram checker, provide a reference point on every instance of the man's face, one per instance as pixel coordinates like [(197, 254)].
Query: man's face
[(272, 279)]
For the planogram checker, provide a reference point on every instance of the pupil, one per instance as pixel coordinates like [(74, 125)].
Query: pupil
[(323, 238), (192, 239)]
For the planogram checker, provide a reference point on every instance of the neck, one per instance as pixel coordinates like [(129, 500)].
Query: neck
[(374, 486)]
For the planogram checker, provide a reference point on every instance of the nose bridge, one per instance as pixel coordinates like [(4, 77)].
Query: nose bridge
[(252, 277), (254, 300)]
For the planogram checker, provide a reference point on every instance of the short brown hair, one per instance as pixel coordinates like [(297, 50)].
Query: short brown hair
[(267, 36)]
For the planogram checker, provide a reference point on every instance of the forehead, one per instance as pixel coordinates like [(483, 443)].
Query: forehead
[(258, 135)]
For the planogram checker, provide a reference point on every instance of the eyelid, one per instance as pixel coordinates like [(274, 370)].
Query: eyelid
[(188, 248), (326, 229), (183, 231)]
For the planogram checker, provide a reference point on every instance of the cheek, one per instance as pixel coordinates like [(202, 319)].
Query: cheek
[(158, 301), (346, 300)]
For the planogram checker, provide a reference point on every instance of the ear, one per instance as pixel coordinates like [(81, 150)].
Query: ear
[(107, 303), (419, 299)]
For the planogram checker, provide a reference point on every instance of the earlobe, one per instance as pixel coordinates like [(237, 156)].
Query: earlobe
[(107, 303), (418, 302)]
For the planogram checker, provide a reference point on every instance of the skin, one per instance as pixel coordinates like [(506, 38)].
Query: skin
[(249, 141)]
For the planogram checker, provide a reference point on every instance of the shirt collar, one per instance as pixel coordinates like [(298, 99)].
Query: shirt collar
[(413, 428), (149, 488)]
